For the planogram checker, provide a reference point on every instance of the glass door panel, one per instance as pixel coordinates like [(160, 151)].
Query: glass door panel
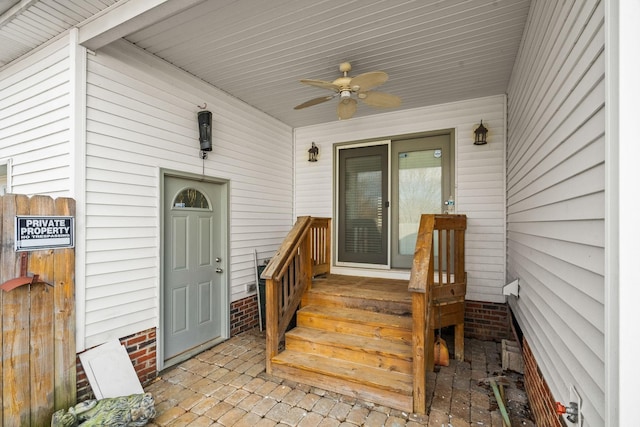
[(363, 205), (421, 182), (419, 191)]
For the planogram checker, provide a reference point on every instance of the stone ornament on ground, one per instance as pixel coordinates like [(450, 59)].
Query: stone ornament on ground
[(126, 411)]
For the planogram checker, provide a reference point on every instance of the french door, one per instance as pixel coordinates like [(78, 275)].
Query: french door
[(382, 191)]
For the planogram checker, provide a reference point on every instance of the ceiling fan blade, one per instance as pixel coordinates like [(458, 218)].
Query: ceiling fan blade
[(380, 99), (366, 81), (347, 108), (314, 101), (321, 84)]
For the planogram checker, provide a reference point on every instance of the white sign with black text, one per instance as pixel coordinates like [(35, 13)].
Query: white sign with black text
[(44, 232)]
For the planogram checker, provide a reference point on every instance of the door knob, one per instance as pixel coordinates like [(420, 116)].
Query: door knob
[(218, 270)]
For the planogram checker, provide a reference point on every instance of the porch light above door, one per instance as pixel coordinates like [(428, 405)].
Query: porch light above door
[(481, 134)]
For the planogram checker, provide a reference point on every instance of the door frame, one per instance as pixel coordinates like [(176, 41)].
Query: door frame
[(225, 279), (344, 267)]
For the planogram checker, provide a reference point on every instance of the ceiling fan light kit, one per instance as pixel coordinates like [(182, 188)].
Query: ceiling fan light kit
[(350, 89)]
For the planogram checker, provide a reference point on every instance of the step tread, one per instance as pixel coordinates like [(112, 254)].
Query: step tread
[(359, 316), (382, 379), (379, 346), (374, 288), (366, 293)]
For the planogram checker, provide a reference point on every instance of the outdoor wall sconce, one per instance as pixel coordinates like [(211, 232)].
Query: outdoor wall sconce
[(204, 125), (313, 152), (481, 134)]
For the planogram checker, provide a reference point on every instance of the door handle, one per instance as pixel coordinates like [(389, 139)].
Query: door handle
[(218, 270)]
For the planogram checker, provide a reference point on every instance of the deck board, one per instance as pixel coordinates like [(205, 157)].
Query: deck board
[(372, 287), (374, 294)]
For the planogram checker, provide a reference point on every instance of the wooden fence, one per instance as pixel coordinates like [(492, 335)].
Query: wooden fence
[(38, 369)]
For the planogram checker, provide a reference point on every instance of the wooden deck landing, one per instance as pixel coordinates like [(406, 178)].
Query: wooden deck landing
[(374, 287)]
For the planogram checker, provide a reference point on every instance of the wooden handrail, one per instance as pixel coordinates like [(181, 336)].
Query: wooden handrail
[(284, 254), (430, 282), (304, 253)]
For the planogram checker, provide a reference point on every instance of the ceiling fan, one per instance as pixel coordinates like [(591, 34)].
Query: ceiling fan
[(351, 89)]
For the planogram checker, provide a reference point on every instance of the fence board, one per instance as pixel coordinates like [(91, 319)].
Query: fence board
[(64, 345), (41, 356), (41, 322), (16, 391), (37, 372)]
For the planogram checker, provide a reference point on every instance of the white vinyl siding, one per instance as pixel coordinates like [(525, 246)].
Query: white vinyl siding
[(555, 196), (141, 118), (480, 181), (35, 121)]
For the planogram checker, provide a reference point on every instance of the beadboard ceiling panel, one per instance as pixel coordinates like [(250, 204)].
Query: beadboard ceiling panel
[(26, 24), (434, 51)]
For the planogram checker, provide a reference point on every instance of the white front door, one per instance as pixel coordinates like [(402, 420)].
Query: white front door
[(195, 300)]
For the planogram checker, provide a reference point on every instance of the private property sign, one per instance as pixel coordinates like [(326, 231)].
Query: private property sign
[(44, 232)]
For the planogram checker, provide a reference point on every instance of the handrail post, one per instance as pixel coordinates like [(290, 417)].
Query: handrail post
[(419, 285), (271, 304), (419, 303)]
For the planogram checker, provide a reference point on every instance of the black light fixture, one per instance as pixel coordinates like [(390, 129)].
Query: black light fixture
[(204, 125), (481, 134), (313, 152)]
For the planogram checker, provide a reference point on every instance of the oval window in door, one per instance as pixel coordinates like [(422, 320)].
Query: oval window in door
[(190, 198)]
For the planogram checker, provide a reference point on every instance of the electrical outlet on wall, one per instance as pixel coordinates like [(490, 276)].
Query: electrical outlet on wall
[(574, 396), (251, 287)]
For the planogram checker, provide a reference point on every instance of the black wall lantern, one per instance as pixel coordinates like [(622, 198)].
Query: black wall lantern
[(481, 134), (313, 152), (204, 125)]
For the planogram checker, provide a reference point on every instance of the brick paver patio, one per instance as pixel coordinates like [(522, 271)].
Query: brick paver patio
[(227, 386)]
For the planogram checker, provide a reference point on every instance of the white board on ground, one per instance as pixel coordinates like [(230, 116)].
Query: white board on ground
[(110, 371)]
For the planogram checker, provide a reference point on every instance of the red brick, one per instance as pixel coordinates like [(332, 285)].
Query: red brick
[(131, 341), (541, 400)]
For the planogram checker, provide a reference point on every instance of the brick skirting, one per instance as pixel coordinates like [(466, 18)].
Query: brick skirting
[(486, 321), (541, 400), (244, 315)]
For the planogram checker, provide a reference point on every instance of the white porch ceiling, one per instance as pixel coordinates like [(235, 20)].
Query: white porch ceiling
[(434, 51)]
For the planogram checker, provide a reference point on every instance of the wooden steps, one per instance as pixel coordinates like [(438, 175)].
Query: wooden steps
[(349, 340), (351, 379), (356, 322)]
